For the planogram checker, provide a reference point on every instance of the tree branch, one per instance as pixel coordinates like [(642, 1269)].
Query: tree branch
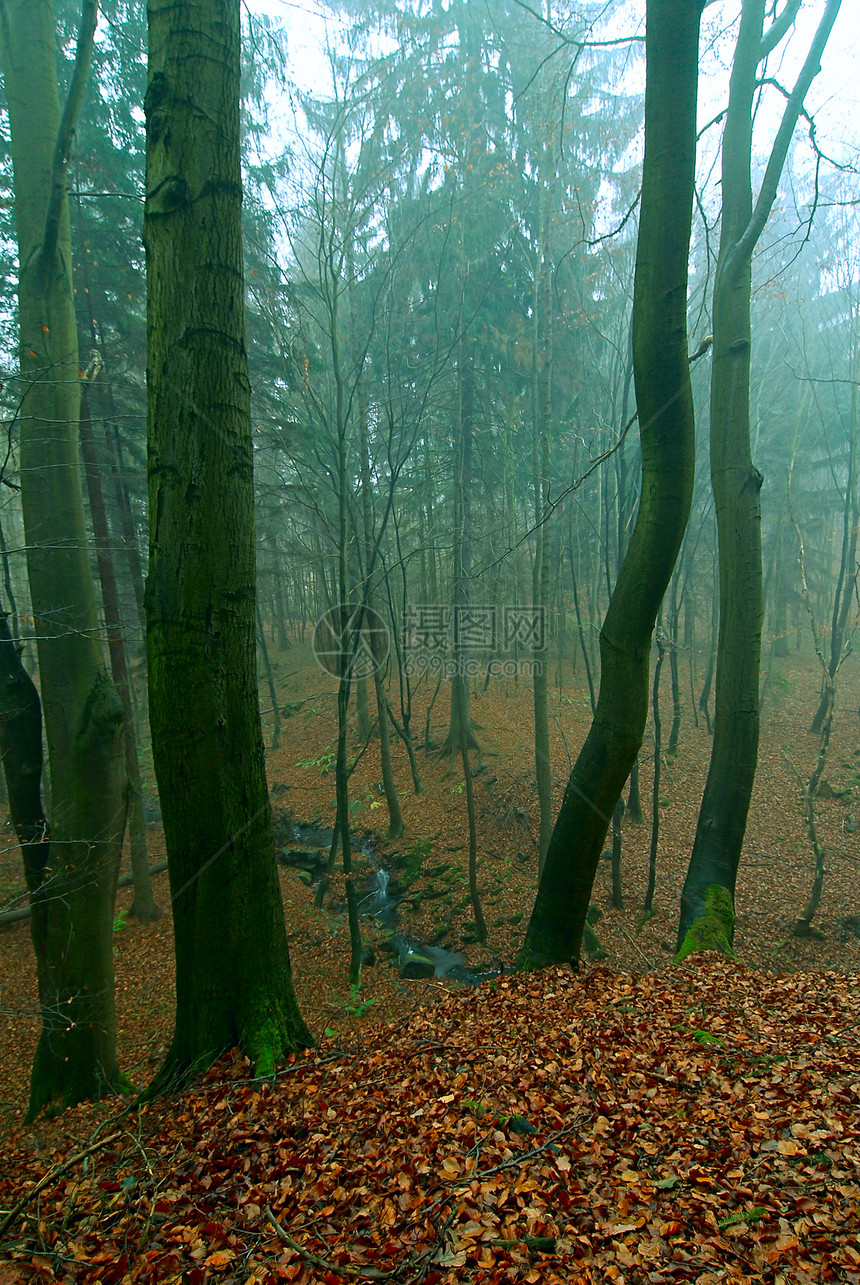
[(778, 28), (767, 195), (570, 40), (65, 133)]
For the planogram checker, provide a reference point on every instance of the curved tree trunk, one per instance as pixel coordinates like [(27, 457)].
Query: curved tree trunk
[(233, 977), (665, 403)]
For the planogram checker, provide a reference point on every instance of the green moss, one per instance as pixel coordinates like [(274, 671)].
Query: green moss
[(714, 929), (592, 943), (408, 864)]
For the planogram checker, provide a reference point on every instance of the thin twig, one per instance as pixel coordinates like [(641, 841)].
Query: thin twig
[(367, 1272), (649, 962), (51, 1176), (521, 1158)]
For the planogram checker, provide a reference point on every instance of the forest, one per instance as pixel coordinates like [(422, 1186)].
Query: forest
[(428, 702)]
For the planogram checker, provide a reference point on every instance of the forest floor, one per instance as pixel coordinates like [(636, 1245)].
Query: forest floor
[(692, 1124)]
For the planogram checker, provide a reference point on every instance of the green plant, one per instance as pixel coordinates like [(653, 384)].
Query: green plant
[(325, 762), (743, 1216), (120, 921), (355, 1006), (364, 801)]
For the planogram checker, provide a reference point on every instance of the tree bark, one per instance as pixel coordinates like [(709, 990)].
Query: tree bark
[(707, 900), (233, 977), (665, 406), (383, 717), (73, 883), (462, 555), (541, 431), (143, 906)]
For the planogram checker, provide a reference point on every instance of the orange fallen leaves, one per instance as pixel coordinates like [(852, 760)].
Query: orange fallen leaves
[(395, 1156)]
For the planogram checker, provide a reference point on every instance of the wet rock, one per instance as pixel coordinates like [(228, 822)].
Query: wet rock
[(414, 966), (282, 827)]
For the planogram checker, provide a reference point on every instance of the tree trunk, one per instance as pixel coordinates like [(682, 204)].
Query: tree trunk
[(395, 818), (707, 900), (460, 705), (72, 893), (674, 622), (665, 406), (270, 678), (846, 579), (233, 976), (143, 906), (648, 904), (541, 430)]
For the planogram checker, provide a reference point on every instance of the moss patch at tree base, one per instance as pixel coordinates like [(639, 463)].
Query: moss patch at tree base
[(715, 929)]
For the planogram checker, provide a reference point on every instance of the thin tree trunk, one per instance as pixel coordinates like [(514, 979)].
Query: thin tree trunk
[(270, 679), (541, 430), (710, 668), (674, 617), (474, 893), (634, 798), (460, 707), (10, 593), (846, 579), (583, 645), (648, 905), (395, 818), (143, 907), (617, 885), (803, 927)]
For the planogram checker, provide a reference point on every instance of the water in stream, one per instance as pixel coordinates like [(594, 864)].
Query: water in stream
[(308, 850)]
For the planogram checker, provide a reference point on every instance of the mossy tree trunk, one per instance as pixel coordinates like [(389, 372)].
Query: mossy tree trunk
[(233, 977), (665, 407), (736, 481), (72, 881)]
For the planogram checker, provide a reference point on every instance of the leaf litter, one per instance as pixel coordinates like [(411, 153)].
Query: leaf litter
[(653, 1156)]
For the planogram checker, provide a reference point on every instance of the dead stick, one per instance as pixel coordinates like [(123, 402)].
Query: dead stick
[(368, 1272), (539, 1244), (124, 881), (50, 1177), (520, 1159), (636, 946)]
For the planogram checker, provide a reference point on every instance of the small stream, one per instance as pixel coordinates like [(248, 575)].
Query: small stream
[(305, 848)]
